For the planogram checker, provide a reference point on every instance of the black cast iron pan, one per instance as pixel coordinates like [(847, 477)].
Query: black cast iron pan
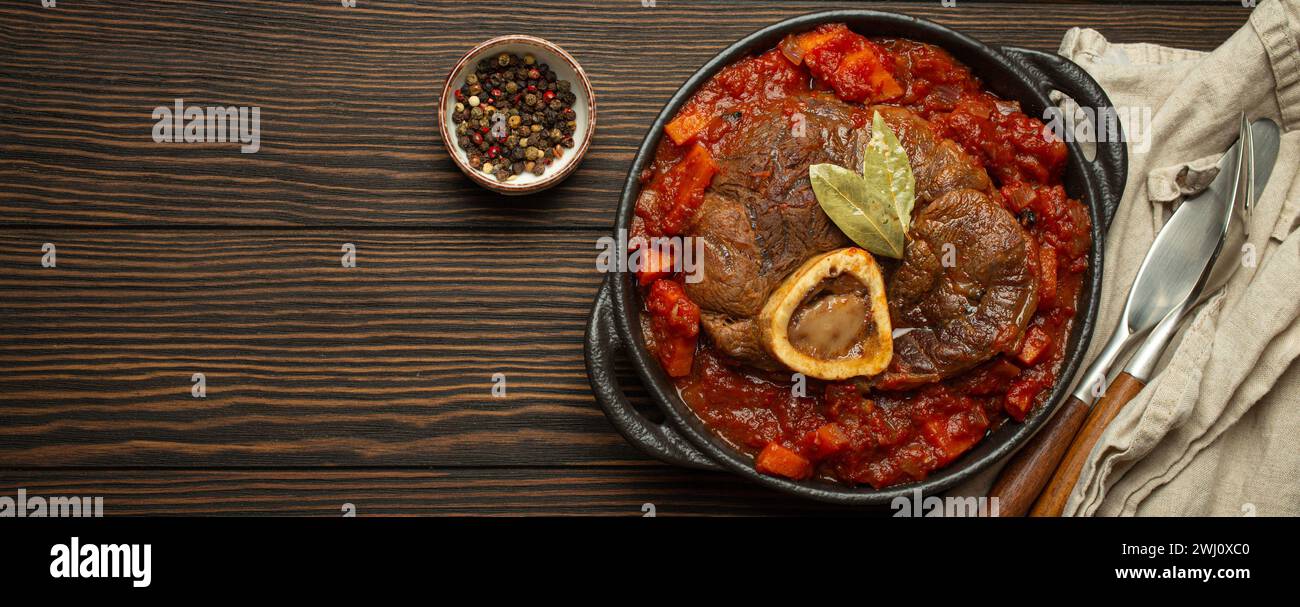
[(1013, 73)]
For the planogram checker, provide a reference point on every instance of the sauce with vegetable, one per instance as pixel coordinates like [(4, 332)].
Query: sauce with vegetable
[(859, 431)]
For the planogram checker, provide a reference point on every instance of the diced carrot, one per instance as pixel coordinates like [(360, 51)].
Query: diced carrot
[(1003, 369), (1046, 277), (1035, 345), (1018, 196), (732, 89), (954, 435), (779, 461), (830, 440), (887, 85), (865, 62), (686, 125), (683, 188), (851, 64), (992, 378), (1020, 396), (795, 46), (677, 354), (675, 322), (656, 263)]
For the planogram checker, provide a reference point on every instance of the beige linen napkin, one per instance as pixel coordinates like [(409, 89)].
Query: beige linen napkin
[(1217, 430)]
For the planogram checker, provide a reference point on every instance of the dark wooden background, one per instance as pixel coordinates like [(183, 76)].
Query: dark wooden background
[(328, 385)]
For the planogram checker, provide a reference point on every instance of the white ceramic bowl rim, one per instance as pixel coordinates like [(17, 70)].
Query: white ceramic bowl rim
[(566, 68)]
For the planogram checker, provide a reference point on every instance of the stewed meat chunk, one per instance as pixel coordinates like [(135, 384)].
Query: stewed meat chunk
[(966, 288), (760, 218)]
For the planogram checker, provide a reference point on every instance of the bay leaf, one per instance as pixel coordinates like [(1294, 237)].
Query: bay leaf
[(873, 209), (843, 194), (888, 173)]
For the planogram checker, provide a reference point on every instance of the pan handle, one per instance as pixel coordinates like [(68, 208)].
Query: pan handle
[(1110, 168), (602, 342)]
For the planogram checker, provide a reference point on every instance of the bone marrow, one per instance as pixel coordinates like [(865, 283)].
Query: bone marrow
[(829, 318)]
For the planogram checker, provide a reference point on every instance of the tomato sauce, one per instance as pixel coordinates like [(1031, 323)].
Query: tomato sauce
[(839, 430)]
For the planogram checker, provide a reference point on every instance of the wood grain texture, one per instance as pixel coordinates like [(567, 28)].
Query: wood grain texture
[(306, 361), (347, 98), (449, 492), (329, 385)]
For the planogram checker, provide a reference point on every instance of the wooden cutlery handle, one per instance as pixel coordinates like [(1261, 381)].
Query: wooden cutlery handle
[(1031, 467), (1052, 501)]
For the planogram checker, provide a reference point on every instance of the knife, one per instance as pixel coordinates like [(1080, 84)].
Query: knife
[(1172, 270), (1265, 141), (1258, 147)]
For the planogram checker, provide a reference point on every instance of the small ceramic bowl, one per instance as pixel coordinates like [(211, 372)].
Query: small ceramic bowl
[(565, 68)]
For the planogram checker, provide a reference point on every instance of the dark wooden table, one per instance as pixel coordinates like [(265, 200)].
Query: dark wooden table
[(328, 385)]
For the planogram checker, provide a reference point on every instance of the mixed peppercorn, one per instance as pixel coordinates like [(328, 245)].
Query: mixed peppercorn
[(513, 115)]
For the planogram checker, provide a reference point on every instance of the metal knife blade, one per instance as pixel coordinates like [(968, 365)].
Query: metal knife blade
[(1258, 154), (1174, 266)]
